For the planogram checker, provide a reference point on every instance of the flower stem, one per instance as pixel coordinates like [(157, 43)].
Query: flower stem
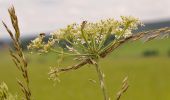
[(101, 80), (70, 54)]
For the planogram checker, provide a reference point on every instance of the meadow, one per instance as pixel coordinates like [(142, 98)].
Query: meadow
[(148, 76)]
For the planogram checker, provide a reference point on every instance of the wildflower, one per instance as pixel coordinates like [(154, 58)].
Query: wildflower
[(37, 43), (88, 38)]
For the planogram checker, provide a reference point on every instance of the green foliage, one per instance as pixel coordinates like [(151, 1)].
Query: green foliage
[(149, 53), (148, 77), (168, 53)]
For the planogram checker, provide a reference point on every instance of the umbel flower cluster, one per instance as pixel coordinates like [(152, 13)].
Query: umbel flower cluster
[(87, 42), (88, 39)]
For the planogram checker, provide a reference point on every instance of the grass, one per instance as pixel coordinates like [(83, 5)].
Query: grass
[(149, 77)]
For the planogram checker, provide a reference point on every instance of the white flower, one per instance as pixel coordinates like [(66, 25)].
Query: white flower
[(92, 34), (127, 33)]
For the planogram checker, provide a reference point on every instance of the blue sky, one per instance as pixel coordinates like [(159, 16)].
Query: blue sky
[(48, 15)]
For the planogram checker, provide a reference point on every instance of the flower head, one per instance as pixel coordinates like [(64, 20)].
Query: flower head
[(88, 37)]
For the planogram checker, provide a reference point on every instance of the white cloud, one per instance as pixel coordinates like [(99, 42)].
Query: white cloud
[(48, 15)]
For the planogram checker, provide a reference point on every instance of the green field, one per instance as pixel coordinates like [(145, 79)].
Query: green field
[(149, 77)]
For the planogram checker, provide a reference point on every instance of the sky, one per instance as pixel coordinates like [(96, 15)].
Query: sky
[(37, 16)]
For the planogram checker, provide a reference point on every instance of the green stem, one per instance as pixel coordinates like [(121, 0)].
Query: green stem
[(78, 45), (101, 80), (85, 39), (69, 54), (113, 42)]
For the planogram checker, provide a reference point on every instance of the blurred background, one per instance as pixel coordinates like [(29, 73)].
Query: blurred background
[(146, 64)]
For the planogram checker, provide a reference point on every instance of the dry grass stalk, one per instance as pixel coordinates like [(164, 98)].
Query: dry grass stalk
[(17, 54), (4, 92), (148, 35), (123, 89)]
